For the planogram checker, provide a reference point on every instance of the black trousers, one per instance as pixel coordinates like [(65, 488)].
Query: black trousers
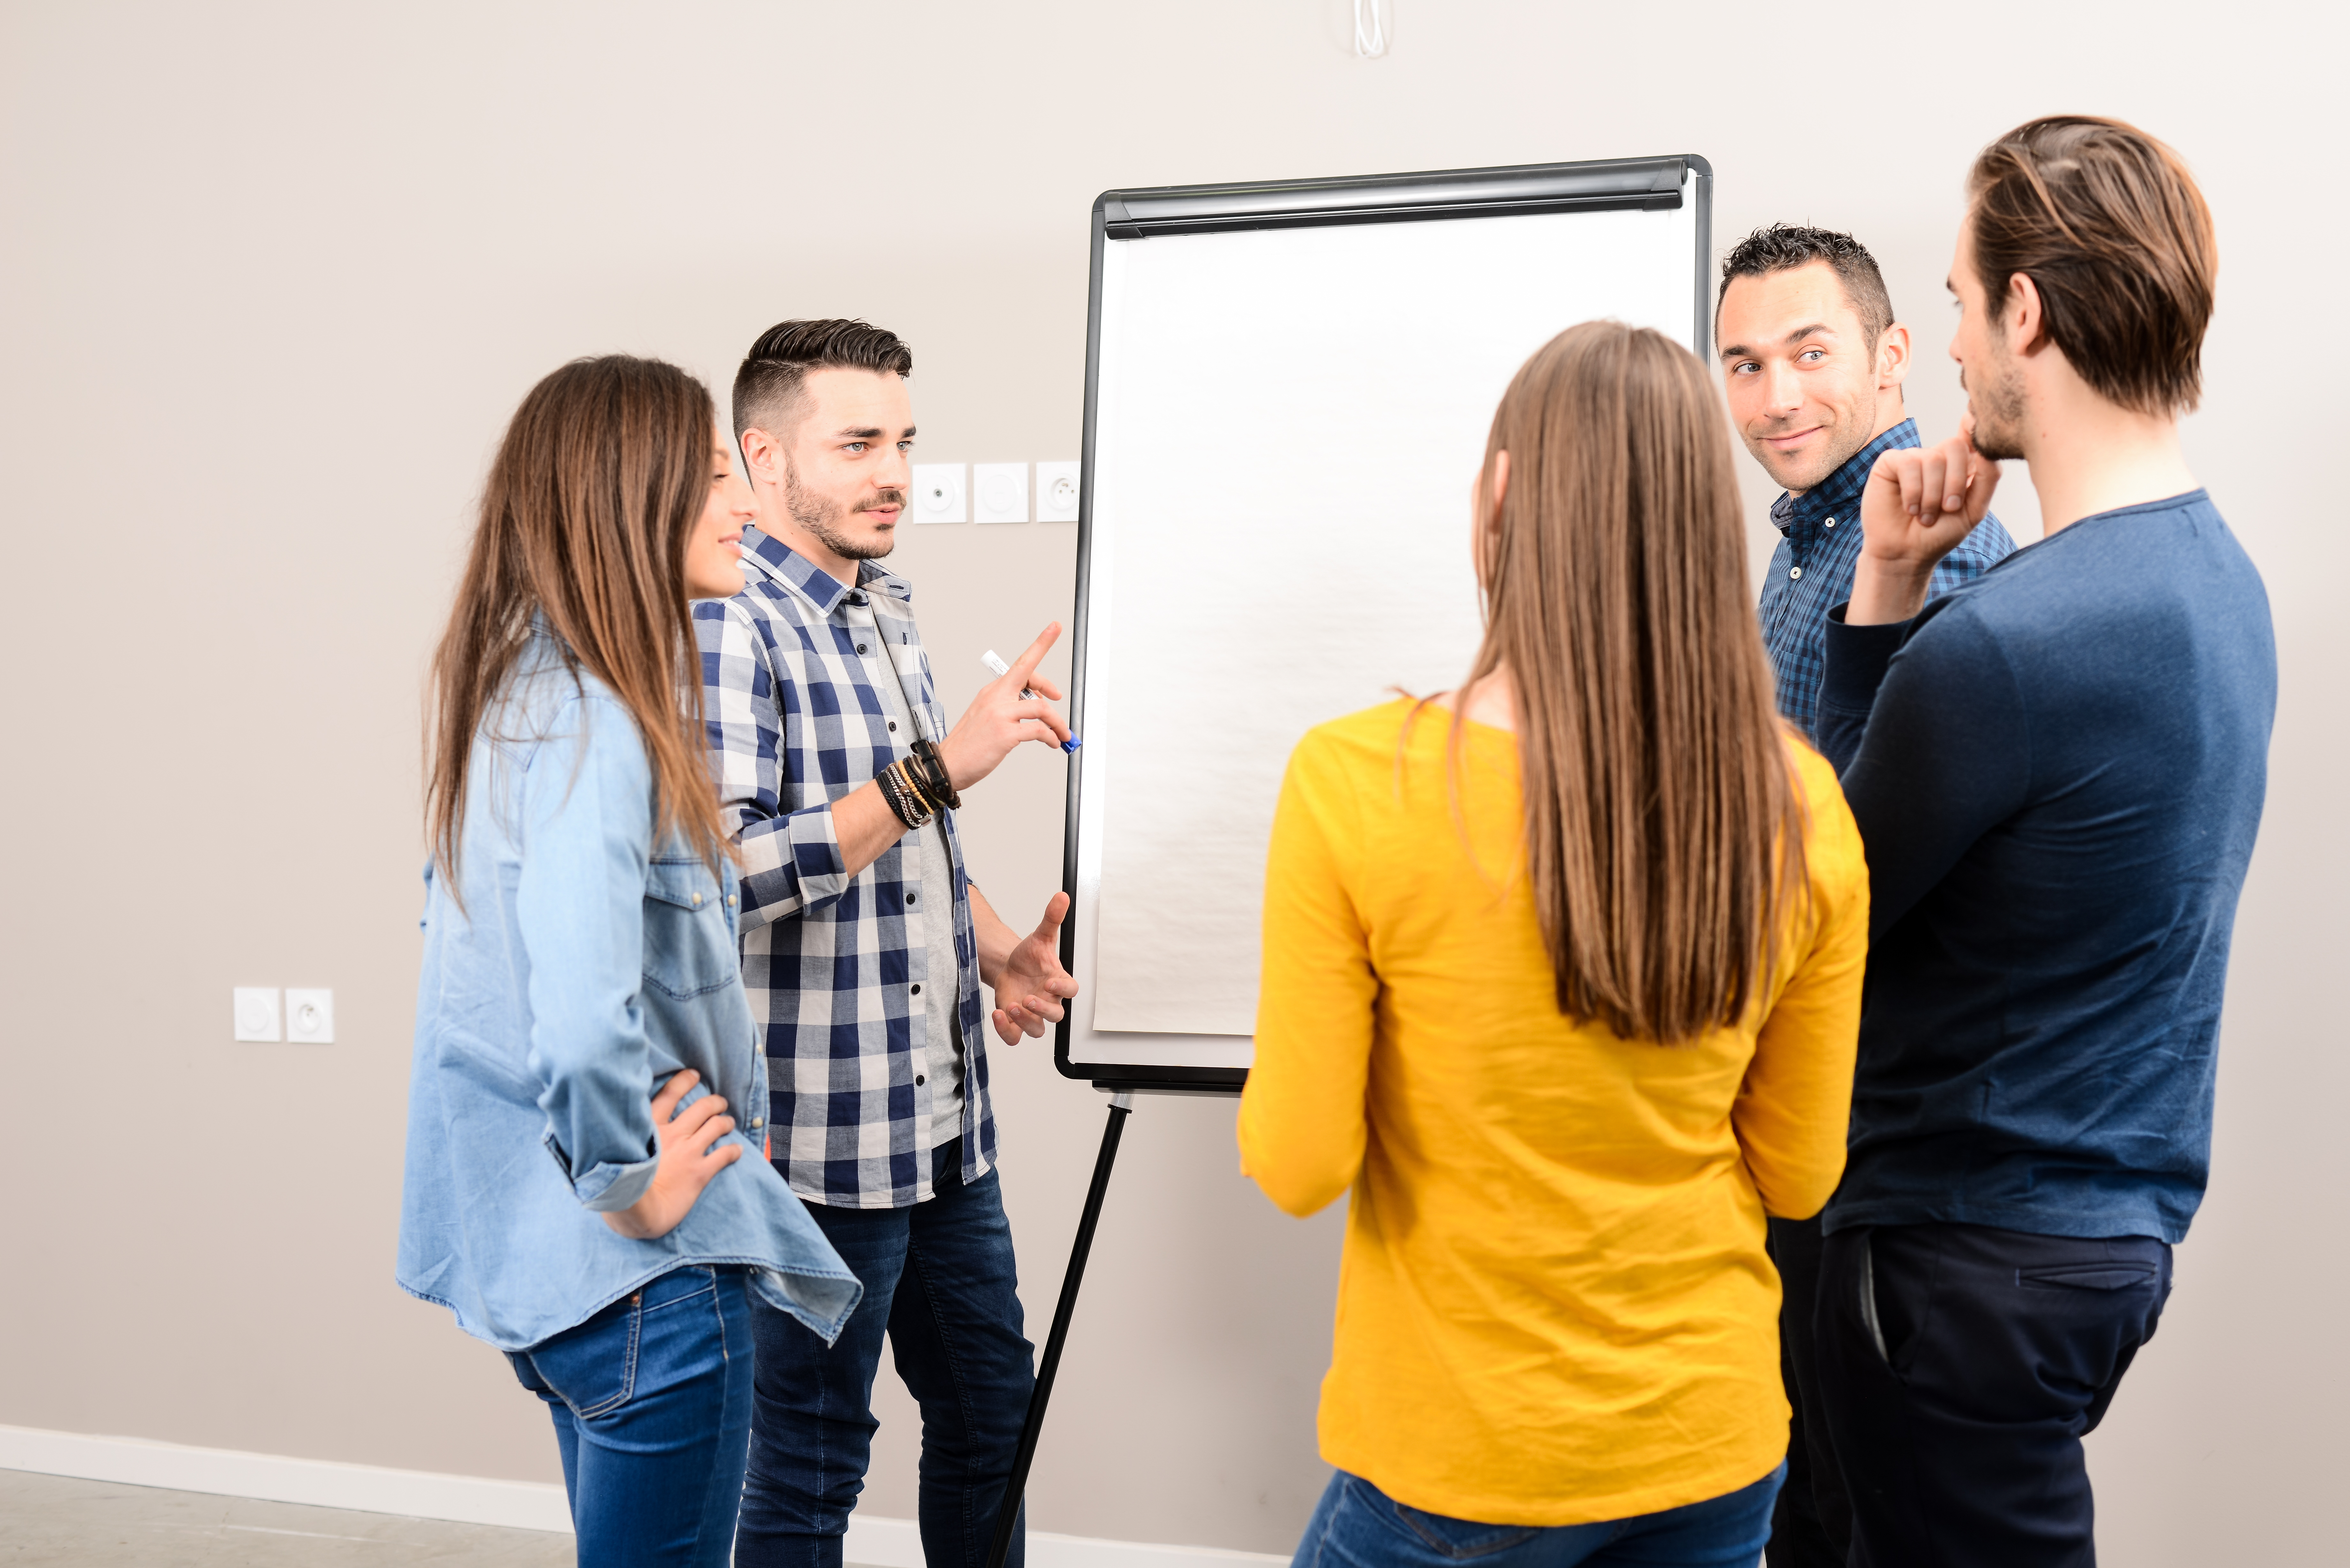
[(1812, 1526), (1959, 1367)]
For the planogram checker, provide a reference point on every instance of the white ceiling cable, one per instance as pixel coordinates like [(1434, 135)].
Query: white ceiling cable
[(1370, 30)]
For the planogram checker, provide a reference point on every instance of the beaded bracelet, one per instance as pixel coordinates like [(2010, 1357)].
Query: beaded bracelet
[(906, 803)]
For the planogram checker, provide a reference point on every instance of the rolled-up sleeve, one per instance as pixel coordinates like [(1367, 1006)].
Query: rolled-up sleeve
[(1302, 1126), (791, 859), (586, 837)]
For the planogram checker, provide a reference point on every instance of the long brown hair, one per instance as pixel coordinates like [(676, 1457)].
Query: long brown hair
[(1663, 826), (590, 504)]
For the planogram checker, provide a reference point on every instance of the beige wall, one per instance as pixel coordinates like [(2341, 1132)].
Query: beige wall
[(271, 277)]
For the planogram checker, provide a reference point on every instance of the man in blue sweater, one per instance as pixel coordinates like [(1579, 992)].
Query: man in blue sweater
[(2058, 772), (1813, 360)]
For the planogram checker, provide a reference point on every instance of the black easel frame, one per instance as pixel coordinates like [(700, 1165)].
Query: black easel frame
[(1016, 1488)]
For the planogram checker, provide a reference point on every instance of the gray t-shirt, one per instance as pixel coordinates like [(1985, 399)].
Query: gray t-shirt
[(940, 982)]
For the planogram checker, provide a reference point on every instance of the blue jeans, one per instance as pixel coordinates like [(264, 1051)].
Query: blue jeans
[(651, 1400), (1357, 1525), (938, 1281)]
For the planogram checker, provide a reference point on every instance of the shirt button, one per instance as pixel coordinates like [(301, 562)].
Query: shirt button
[(1795, 574), (893, 724), (730, 900), (758, 1122), (860, 648), (697, 900), (918, 989), (910, 898), (919, 1080), (1831, 522)]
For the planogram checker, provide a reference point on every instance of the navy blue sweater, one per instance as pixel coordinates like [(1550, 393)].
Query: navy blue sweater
[(2058, 772)]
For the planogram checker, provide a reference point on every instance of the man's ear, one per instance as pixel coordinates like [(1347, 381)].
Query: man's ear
[(2024, 316), (1892, 356), (763, 457)]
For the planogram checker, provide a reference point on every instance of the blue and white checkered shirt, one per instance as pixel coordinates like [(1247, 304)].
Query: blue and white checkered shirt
[(1810, 571), (835, 964)]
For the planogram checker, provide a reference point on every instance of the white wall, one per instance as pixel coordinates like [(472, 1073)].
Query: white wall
[(273, 275)]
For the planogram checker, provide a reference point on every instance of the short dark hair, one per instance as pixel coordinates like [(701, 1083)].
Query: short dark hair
[(769, 383), (2108, 225), (1779, 247)]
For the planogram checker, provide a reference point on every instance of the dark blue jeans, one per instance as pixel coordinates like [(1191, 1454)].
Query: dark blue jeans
[(651, 1400), (938, 1281), (1357, 1525), (1959, 1367)]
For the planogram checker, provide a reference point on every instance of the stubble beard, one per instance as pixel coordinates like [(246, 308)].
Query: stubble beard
[(1846, 437), (822, 517), (1998, 408)]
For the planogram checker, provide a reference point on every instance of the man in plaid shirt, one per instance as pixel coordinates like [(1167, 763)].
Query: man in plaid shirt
[(1813, 362), (864, 947)]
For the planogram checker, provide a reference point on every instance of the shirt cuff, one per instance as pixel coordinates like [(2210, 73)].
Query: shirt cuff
[(1858, 656), (608, 1188)]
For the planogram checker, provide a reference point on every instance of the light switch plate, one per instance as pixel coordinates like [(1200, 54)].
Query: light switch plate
[(998, 492), (256, 1011), (938, 493), (310, 1017), (1057, 492)]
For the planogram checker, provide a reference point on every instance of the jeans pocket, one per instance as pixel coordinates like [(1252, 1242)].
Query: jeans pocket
[(2101, 1275), (1456, 1540), (593, 1368), (1869, 1314)]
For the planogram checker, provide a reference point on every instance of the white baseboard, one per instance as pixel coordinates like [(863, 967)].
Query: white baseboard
[(321, 1483), (877, 1542), (873, 1541)]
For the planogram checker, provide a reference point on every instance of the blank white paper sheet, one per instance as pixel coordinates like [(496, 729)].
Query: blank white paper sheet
[(1287, 425)]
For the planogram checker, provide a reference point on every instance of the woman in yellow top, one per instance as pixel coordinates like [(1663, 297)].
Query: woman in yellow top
[(1562, 980)]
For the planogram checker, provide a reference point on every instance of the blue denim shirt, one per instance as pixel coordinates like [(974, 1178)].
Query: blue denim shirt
[(586, 965)]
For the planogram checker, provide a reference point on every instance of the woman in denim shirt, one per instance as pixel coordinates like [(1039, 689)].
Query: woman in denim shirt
[(586, 1078)]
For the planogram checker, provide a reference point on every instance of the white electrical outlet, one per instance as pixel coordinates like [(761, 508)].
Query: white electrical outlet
[(255, 1012), (310, 1017), (1057, 492), (938, 493), (998, 492)]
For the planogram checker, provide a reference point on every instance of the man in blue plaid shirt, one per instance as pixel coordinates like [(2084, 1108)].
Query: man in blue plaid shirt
[(1813, 361), (864, 947)]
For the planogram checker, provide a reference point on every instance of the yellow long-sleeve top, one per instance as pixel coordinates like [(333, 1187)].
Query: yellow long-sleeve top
[(1554, 1305)]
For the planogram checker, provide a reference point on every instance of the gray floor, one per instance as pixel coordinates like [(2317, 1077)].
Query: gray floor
[(98, 1524)]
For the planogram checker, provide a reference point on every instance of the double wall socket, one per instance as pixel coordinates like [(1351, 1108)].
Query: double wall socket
[(307, 1016)]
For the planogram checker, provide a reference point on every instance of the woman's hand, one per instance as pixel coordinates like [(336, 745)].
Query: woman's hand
[(1000, 718), (687, 1160)]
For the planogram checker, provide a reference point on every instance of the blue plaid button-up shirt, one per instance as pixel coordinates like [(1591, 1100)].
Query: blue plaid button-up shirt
[(1810, 571), (834, 963)]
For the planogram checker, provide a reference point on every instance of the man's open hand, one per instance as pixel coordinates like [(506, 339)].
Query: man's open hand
[(1032, 984), (1918, 504)]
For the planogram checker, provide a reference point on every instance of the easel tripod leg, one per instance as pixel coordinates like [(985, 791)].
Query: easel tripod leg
[(1007, 1517)]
